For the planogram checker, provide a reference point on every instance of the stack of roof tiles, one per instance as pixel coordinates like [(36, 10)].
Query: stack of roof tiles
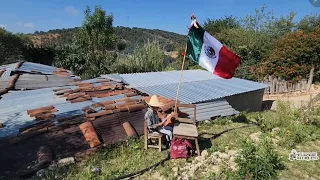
[(44, 113)]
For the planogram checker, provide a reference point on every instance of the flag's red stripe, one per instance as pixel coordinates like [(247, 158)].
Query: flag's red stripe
[(227, 63)]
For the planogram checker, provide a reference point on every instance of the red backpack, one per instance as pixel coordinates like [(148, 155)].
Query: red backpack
[(180, 148)]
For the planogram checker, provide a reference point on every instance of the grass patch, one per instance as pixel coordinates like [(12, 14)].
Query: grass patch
[(113, 161)]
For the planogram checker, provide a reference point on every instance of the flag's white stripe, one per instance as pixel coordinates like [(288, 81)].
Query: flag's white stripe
[(205, 61)]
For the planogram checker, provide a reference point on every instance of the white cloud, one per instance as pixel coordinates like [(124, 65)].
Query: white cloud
[(26, 25), (71, 10), (3, 26)]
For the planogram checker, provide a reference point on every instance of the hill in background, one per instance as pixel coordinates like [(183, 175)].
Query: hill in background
[(133, 37)]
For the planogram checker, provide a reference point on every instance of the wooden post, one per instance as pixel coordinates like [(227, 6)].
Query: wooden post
[(177, 96)]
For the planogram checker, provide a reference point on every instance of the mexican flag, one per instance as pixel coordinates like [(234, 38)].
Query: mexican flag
[(210, 54)]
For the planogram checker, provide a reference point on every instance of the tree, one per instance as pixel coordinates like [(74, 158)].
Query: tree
[(93, 46), (216, 26), (96, 33), (247, 38), (38, 54), (281, 26), (295, 55), (148, 58), (11, 46), (309, 23)]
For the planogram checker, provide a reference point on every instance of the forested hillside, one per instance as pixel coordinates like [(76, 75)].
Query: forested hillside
[(130, 37)]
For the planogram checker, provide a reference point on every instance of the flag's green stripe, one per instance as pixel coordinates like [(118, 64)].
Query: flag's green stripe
[(195, 41)]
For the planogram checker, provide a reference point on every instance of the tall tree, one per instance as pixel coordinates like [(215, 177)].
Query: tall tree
[(94, 44), (96, 33)]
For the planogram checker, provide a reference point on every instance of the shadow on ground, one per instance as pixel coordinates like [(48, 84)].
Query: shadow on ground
[(266, 105)]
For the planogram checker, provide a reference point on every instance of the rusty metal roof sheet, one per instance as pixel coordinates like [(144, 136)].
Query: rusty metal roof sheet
[(37, 81), (29, 67)]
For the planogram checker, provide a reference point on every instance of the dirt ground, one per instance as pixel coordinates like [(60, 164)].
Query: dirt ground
[(296, 99)]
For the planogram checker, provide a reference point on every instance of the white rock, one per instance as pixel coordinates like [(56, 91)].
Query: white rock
[(95, 171), (204, 153), (275, 141), (232, 159), (224, 156), (175, 169), (255, 136), (66, 161), (216, 160), (215, 169), (275, 130), (200, 158), (232, 153), (40, 173), (185, 178), (215, 153), (233, 167)]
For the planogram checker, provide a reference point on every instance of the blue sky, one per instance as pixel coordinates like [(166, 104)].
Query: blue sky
[(171, 15)]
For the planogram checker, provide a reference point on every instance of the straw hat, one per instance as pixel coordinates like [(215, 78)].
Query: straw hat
[(154, 101)]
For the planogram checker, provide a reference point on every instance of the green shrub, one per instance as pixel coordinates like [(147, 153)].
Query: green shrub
[(257, 161), (298, 133), (222, 121), (283, 117)]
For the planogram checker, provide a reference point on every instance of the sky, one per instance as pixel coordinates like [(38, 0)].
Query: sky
[(27, 16)]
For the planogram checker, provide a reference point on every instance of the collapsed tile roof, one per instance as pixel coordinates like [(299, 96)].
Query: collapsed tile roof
[(59, 103), (51, 116), (28, 76)]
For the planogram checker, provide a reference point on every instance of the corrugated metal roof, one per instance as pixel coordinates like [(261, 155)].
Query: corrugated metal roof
[(29, 67), (38, 81), (34, 67), (9, 68), (197, 85), (206, 111), (114, 77)]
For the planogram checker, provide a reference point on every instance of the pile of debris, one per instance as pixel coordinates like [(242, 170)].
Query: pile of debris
[(27, 75), (213, 163)]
